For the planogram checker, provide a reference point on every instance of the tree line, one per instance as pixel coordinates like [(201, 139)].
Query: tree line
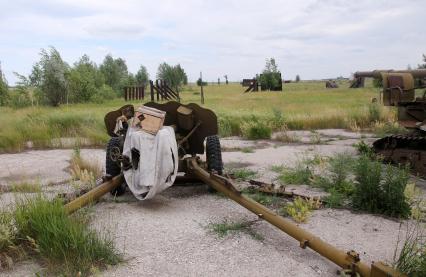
[(54, 82)]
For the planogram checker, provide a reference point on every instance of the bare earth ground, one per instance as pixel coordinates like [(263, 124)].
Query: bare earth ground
[(169, 236)]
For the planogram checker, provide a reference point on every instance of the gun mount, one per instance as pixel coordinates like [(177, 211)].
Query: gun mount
[(210, 172)]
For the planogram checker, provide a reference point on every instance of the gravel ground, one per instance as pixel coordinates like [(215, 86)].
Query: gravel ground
[(169, 234)]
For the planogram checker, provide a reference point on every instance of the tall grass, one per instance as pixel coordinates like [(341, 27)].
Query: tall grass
[(254, 115), (64, 244)]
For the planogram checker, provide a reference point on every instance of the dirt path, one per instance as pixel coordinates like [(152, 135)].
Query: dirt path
[(169, 236)]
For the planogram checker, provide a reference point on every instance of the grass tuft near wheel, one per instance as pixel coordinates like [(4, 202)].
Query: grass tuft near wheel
[(214, 156), (112, 167)]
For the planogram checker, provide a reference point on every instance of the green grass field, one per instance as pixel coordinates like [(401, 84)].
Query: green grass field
[(304, 105)]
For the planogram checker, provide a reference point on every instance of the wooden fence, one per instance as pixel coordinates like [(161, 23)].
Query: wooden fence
[(158, 90)]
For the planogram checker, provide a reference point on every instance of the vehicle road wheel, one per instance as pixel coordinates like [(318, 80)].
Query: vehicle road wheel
[(214, 156), (112, 167)]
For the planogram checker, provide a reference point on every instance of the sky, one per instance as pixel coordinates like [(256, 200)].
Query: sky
[(315, 39)]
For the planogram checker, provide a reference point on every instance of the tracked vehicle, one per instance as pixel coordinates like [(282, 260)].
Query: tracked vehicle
[(399, 91)]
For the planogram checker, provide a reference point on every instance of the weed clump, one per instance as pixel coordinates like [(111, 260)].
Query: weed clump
[(300, 209), (255, 129), (224, 228), (300, 175), (412, 253), (380, 193), (63, 243), (243, 174)]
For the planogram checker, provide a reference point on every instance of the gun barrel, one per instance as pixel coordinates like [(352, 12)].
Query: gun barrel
[(94, 194), (416, 73), (346, 260)]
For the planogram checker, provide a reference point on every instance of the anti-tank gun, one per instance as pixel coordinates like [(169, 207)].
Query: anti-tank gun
[(196, 132)]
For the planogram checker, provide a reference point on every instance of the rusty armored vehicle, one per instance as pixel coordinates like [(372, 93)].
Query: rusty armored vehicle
[(399, 90), (196, 132)]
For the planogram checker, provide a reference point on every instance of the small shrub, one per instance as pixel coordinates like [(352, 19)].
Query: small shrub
[(278, 168), (380, 193), (243, 173), (62, 242), (7, 234), (416, 202), (412, 255), (367, 190), (25, 187), (364, 149), (299, 210), (255, 130), (382, 129), (285, 137), (85, 171), (375, 112), (229, 126), (300, 175), (394, 202), (278, 120), (335, 199), (263, 198), (224, 228), (315, 138), (247, 150), (103, 94)]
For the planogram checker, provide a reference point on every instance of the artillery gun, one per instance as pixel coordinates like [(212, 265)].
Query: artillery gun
[(195, 126), (399, 89)]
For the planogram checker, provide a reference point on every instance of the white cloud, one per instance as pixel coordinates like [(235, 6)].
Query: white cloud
[(316, 39)]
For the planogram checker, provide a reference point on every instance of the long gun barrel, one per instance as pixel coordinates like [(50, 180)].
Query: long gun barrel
[(349, 261), (416, 73)]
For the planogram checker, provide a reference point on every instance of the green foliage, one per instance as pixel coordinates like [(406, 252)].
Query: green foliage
[(300, 175), (115, 72), (26, 187), (255, 129), (262, 198), (375, 112), (335, 199), (380, 193), (84, 80), (7, 234), (270, 78), (4, 89), (224, 228), (175, 76), (103, 94), (243, 173), (300, 210), (412, 253), (247, 150), (364, 149), (382, 129), (142, 76), (65, 243), (49, 75), (19, 99), (377, 82)]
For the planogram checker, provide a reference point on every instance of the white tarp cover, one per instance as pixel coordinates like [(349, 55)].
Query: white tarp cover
[(158, 162)]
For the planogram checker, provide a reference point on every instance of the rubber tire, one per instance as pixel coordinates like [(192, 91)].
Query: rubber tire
[(113, 168), (214, 156)]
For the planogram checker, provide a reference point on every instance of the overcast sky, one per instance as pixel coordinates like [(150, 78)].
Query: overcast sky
[(315, 39)]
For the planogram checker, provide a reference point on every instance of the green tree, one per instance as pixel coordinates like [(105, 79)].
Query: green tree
[(84, 80), (270, 77), (420, 66), (4, 90), (114, 71), (142, 76), (297, 78), (49, 76), (175, 76), (203, 82)]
